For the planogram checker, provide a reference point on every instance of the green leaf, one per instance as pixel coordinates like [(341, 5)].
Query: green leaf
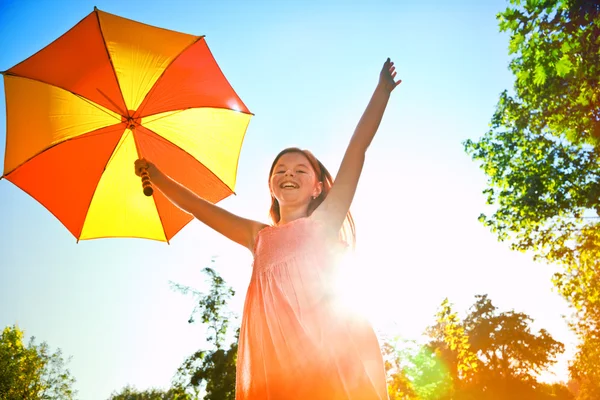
[(515, 43), (584, 97), (523, 76), (565, 47), (564, 66), (539, 75)]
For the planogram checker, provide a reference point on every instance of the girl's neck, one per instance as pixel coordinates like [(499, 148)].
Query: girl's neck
[(289, 214)]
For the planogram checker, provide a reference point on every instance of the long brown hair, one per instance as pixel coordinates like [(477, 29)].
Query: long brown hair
[(347, 231)]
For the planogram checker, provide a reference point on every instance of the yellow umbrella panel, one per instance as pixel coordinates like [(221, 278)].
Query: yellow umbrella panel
[(109, 91)]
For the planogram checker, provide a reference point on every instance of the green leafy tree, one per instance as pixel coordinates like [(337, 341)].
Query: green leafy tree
[(32, 371), (541, 153), (212, 370), (541, 156), (580, 284), (450, 343), (131, 393), (499, 354), (510, 354), (584, 367)]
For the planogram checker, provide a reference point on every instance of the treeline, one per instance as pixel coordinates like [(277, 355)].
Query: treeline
[(541, 156), (488, 354)]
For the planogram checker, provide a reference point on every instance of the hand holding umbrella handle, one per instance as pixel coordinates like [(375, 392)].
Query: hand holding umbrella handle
[(146, 184)]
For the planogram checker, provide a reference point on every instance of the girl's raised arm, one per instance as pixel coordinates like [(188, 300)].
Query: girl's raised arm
[(334, 208), (238, 229)]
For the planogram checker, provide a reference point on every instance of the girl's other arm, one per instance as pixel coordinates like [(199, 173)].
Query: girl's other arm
[(240, 230)]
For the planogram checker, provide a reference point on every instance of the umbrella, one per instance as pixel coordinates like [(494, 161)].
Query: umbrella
[(111, 90)]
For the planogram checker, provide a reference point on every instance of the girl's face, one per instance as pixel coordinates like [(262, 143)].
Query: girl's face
[(293, 180)]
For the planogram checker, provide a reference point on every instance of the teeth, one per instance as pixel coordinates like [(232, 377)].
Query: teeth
[(288, 185)]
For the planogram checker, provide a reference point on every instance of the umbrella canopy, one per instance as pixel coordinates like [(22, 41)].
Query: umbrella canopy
[(110, 91)]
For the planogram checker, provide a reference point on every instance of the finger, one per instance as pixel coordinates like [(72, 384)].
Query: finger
[(394, 75), (399, 82), (392, 69), (140, 165)]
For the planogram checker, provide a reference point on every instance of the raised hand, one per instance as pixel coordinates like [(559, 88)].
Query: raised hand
[(387, 77), (142, 163)]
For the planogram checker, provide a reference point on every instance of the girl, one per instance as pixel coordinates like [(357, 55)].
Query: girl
[(295, 343)]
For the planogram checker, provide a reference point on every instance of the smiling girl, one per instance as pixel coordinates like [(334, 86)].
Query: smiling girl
[(294, 341)]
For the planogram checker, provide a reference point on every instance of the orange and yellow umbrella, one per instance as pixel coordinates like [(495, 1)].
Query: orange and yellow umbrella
[(109, 91)]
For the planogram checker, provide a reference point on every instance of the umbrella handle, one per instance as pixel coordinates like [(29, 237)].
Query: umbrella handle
[(146, 184)]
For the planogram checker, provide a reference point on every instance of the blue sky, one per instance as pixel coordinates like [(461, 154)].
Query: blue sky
[(306, 69)]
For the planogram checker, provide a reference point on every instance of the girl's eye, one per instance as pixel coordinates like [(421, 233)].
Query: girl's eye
[(301, 172)]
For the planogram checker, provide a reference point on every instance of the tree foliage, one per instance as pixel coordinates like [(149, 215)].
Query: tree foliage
[(541, 155), (488, 354), (32, 371), (505, 345), (212, 370), (450, 342), (131, 393)]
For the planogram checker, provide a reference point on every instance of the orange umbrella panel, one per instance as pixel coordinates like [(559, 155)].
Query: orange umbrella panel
[(109, 91)]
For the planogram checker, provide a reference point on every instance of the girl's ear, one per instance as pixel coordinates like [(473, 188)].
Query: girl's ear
[(318, 189)]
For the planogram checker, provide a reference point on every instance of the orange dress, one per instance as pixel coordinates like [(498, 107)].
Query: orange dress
[(295, 341)]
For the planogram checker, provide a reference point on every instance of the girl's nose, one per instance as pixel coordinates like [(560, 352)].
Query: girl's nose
[(289, 172)]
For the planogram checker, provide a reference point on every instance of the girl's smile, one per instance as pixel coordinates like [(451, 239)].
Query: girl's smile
[(294, 180)]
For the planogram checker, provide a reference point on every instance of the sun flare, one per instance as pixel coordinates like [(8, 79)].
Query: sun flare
[(355, 289)]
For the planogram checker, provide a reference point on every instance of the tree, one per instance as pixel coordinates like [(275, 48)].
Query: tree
[(584, 368), (511, 356), (493, 355), (580, 284), (541, 154), (130, 393), (212, 369), (450, 342), (31, 371)]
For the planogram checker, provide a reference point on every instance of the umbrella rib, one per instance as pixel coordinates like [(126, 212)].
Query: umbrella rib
[(144, 103), (162, 223), (112, 154), (98, 106), (173, 112), (109, 58), (110, 100), (167, 114), (84, 136), (116, 149)]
